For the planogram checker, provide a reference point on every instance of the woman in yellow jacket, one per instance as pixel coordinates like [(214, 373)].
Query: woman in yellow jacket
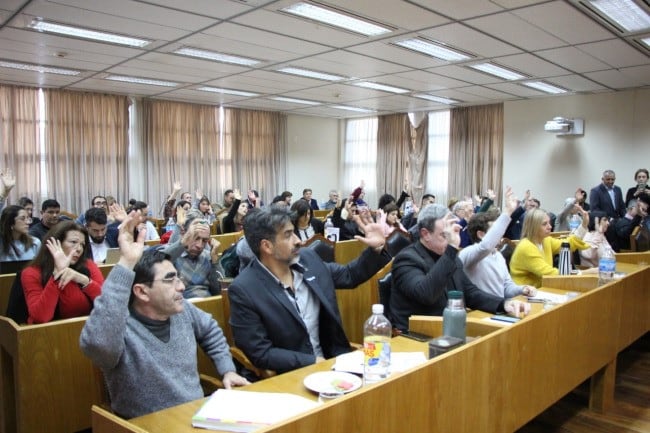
[(533, 256)]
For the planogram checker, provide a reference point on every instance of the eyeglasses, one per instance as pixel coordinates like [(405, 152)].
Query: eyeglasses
[(175, 280), (27, 219)]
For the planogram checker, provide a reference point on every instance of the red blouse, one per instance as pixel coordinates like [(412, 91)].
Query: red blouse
[(73, 301)]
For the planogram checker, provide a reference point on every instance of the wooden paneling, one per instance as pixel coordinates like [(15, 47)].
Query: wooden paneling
[(47, 384)]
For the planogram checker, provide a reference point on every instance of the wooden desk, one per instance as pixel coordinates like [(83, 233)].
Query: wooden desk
[(496, 383), (178, 418)]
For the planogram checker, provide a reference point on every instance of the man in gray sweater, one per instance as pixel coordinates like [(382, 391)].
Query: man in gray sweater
[(143, 334)]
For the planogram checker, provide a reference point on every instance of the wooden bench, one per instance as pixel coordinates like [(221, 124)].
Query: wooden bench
[(47, 383)]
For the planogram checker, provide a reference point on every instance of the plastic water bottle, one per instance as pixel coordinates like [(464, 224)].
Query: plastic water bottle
[(454, 316), (574, 222), (170, 225), (376, 346), (606, 264), (328, 224)]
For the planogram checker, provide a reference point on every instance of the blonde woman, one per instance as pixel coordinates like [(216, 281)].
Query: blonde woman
[(533, 256)]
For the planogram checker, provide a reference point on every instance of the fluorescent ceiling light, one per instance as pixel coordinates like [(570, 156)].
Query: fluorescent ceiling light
[(217, 57), (95, 35), (226, 91), (38, 68), (545, 87), (625, 13), (433, 49), (335, 18), (312, 74), (498, 71), (383, 87), (646, 41), (439, 99), (295, 101), (138, 80), (349, 108)]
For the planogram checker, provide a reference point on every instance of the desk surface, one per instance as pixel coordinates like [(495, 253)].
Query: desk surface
[(178, 418), (567, 358)]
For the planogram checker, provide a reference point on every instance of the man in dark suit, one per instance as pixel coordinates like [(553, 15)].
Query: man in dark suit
[(283, 309), (102, 235), (606, 198), (425, 271), (306, 195)]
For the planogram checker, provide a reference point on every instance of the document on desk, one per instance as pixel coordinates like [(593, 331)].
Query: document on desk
[(542, 297), (352, 362), (232, 410)]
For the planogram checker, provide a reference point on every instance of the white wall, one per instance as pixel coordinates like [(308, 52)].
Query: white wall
[(617, 137), (314, 155)]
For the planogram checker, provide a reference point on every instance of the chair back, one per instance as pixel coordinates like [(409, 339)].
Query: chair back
[(17, 306), (321, 246), (397, 241)]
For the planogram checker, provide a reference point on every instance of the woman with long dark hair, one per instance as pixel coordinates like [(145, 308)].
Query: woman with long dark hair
[(60, 282), (16, 243)]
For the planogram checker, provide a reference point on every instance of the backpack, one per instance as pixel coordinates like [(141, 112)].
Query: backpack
[(229, 261)]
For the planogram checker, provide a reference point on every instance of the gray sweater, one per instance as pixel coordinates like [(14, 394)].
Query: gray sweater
[(144, 374)]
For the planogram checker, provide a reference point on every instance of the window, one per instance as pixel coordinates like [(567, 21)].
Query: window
[(360, 157), (438, 156)]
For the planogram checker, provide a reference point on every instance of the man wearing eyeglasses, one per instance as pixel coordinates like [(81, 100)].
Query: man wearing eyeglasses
[(143, 334), (196, 257)]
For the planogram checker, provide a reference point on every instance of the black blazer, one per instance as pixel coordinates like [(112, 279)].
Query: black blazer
[(421, 283), (266, 325), (600, 201)]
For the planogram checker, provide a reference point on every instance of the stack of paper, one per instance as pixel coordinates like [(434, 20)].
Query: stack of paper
[(543, 297), (247, 411), (352, 362)]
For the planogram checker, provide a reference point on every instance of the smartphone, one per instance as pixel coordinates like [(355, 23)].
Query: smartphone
[(416, 336)]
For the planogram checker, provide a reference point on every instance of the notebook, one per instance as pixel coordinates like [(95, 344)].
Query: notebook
[(247, 411)]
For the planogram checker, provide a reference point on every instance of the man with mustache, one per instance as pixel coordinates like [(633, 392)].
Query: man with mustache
[(283, 310), (143, 334)]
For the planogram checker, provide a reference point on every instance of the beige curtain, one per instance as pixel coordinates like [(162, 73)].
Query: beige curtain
[(20, 146), (476, 150), (181, 143), (401, 155), (258, 142), (86, 147)]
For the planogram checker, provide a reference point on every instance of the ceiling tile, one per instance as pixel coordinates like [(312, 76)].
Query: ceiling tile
[(465, 74), (615, 53), (531, 65), (460, 9), (467, 39), (577, 83), (383, 50), (618, 79), (507, 26), (563, 21), (487, 93), (573, 59)]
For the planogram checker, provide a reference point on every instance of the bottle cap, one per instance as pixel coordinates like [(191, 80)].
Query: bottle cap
[(377, 308), (455, 294)]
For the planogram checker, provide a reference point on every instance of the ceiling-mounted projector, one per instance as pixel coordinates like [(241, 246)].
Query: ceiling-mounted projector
[(564, 126)]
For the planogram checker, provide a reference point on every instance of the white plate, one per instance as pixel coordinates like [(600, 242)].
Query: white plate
[(328, 381)]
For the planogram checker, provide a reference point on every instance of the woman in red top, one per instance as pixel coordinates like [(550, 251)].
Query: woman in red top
[(60, 282)]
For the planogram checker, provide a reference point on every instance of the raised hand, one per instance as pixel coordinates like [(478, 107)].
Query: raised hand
[(374, 233), (8, 180), (177, 186), (510, 204), (452, 230), (236, 194), (131, 248), (61, 260), (117, 212)]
